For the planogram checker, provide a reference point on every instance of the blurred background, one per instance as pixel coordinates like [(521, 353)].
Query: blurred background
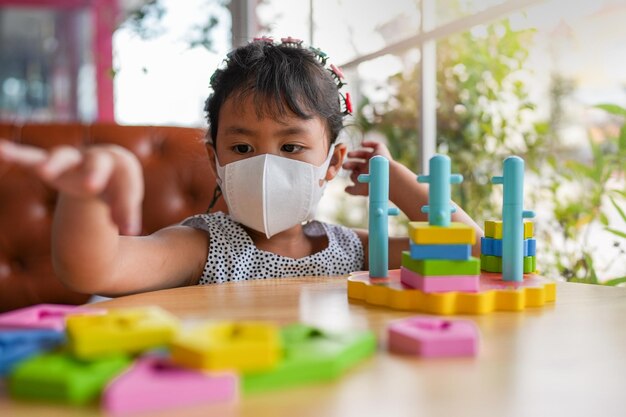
[(478, 80)]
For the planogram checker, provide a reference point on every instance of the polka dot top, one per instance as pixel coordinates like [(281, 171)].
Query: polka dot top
[(234, 257)]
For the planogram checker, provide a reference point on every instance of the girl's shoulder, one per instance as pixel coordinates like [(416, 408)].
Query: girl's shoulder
[(213, 222)]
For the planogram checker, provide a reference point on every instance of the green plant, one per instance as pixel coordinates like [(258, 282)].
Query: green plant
[(582, 194), (482, 116)]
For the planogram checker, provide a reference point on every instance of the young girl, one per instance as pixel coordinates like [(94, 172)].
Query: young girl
[(274, 116)]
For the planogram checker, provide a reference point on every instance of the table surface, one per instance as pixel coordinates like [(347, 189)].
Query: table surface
[(564, 359)]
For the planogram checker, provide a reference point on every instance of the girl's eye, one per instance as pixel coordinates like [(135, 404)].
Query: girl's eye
[(242, 149), (291, 148)]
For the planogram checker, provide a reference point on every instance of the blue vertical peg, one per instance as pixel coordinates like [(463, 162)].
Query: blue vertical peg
[(513, 216), (439, 207), (378, 180)]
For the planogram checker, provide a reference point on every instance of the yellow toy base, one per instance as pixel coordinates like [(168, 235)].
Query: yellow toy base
[(494, 294)]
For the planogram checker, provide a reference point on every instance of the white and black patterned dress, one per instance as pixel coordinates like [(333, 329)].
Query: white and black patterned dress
[(234, 257)]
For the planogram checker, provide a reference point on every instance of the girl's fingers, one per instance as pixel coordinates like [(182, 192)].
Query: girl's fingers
[(60, 160), (23, 155), (97, 169), (125, 192)]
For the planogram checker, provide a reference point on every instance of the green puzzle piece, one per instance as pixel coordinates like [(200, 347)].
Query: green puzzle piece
[(428, 267), (312, 355), (60, 377), (494, 263)]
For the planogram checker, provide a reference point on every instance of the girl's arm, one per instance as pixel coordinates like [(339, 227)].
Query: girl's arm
[(94, 247), (404, 191)]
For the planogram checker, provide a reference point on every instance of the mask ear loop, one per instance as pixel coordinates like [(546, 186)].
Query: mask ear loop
[(217, 193)]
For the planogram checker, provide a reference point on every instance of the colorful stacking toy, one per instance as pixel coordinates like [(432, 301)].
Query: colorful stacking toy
[(514, 259), (491, 247), (438, 275), (440, 257)]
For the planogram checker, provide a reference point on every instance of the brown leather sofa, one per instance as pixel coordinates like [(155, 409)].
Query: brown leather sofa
[(178, 183)]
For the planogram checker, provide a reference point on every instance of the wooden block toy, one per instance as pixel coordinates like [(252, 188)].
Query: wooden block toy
[(493, 229), (441, 266), (456, 252), (61, 377), (440, 283), (494, 264), (455, 233), (42, 316), (243, 346), (432, 337), (153, 384), (129, 330), (494, 294), (19, 345), (493, 247), (312, 354)]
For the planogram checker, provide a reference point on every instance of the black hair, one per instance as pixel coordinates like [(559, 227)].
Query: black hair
[(281, 78)]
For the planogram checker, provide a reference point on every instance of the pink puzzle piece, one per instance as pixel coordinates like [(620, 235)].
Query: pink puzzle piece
[(42, 316), (153, 383), (433, 337), (440, 283)]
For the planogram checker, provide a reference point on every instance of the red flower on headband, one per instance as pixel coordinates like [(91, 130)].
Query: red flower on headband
[(348, 103)]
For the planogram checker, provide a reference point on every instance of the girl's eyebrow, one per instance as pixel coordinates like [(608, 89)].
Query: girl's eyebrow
[(242, 131), (291, 131), (238, 130)]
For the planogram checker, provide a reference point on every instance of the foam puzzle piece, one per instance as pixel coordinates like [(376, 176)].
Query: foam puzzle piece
[(494, 294), (455, 233), (19, 345), (494, 264), (152, 383), (42, 316), (441, 266), (493, 247), (312, 354), (456, 252), (493, 229), (244, 346), (128, 330), (440, 283), (433, 337), (61, 377)]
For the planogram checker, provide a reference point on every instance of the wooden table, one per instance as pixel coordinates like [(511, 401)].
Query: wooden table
[(566, 359)]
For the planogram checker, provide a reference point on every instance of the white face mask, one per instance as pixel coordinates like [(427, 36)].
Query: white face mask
[(270, 193)]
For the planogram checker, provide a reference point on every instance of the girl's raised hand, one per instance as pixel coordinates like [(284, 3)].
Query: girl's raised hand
[(108, 172), (358, 163)]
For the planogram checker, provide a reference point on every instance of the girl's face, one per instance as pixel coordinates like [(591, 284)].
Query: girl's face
[(241, 134)]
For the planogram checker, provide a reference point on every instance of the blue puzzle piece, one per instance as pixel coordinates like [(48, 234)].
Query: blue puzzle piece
[(18, 345), (493, 247), (456, 252)]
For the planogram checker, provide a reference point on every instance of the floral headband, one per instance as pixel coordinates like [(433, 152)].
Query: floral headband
[(335, 72)]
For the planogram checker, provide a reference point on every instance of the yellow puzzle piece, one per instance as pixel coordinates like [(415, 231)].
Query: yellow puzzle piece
[(117, 331), (243, 346), (457, 233), (494, 294)]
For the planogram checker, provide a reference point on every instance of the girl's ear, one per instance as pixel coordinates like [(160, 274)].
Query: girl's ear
[(212, 164), (336, 161)]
